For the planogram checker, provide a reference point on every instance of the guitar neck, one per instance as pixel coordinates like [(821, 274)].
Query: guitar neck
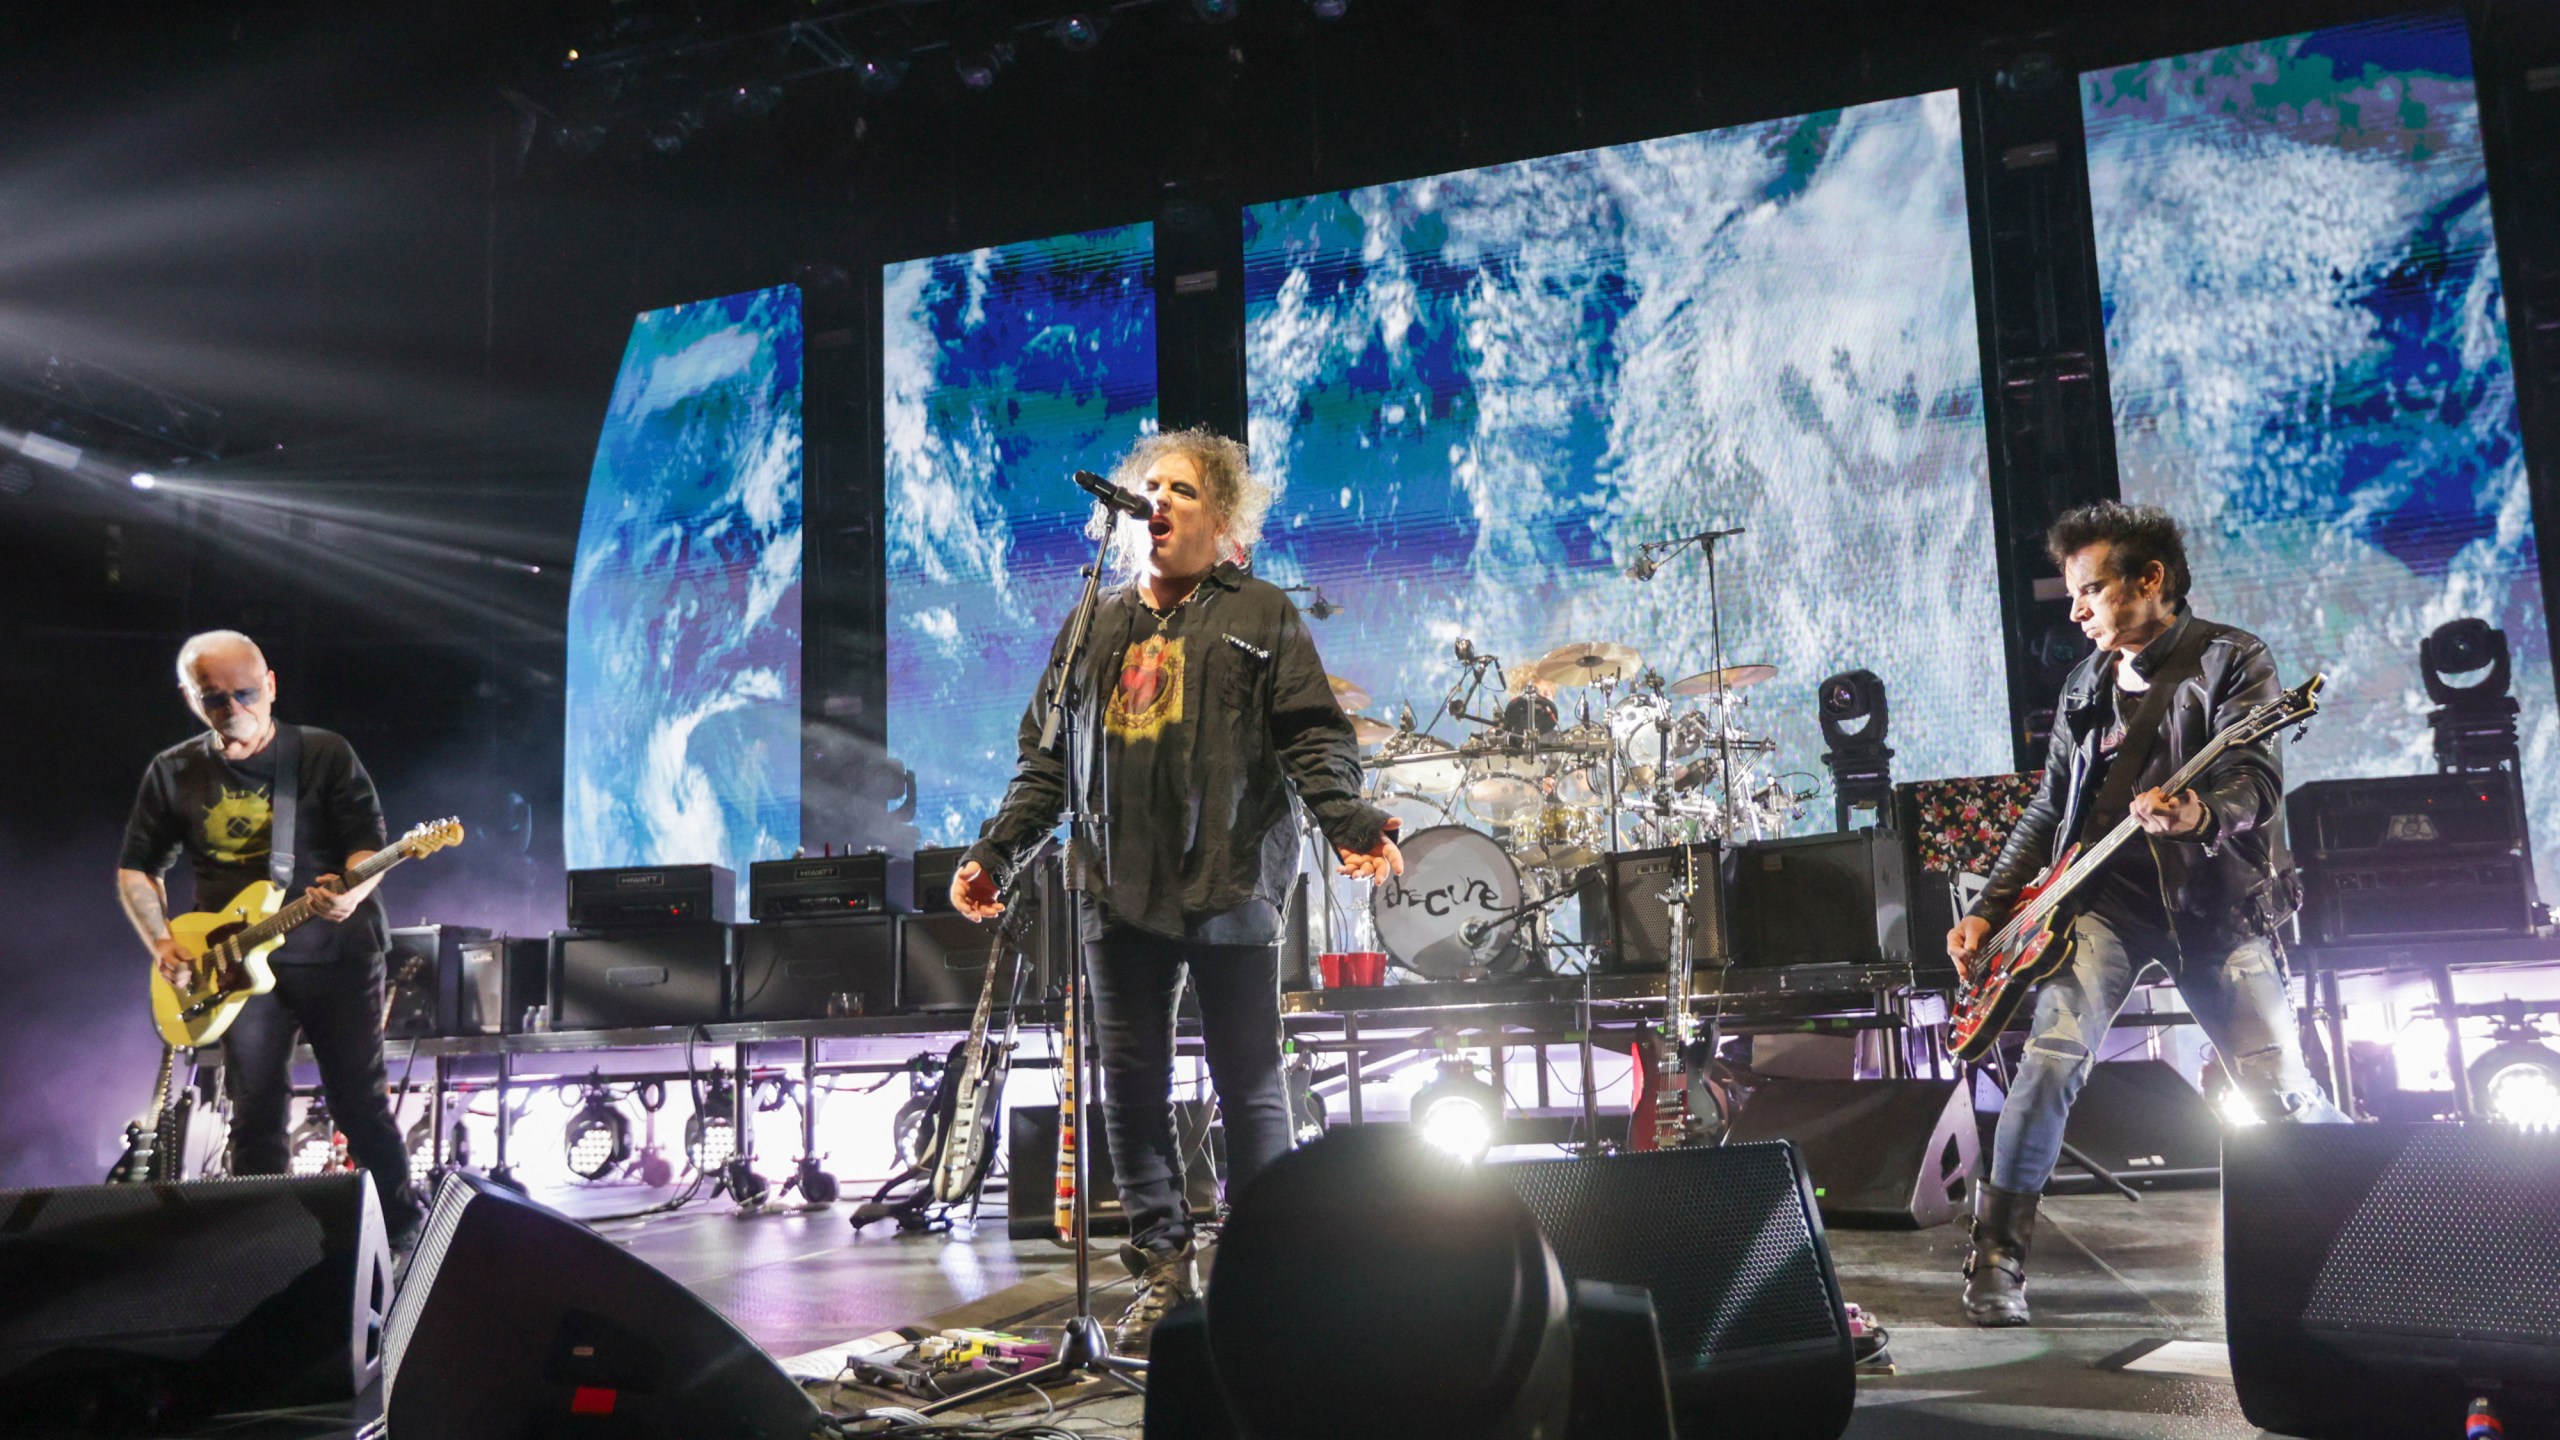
[(294, 914), (2089, 861)]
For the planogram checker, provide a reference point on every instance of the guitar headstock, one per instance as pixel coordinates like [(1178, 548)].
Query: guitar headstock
[(2294, 707), (430, 837)]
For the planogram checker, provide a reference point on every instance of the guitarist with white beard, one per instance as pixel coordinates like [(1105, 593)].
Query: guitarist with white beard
[(2197, 895), (213, 799)]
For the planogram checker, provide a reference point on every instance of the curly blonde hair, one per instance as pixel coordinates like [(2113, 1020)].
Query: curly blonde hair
[(1235, 494)]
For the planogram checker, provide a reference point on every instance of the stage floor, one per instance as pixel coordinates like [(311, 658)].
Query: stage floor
[(2113, 1282)]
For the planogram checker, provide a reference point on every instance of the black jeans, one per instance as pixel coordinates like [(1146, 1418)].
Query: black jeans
[(1135, 979), (337, 1006)]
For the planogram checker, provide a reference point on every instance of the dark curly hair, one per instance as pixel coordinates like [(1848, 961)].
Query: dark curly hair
[(2135, 535)]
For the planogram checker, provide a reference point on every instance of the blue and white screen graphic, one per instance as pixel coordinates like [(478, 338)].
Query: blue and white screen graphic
[(2306, 340), (1006, 370), (684, 610), (1480, 392)]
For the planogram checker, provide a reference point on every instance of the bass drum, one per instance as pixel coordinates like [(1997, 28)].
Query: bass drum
[(1452, 876)]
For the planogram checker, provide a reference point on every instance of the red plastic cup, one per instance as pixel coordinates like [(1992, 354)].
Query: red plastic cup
[(1365, 969), (1330, 966)]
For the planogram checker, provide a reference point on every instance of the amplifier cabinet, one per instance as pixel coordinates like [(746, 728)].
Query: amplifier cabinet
[(1625, 909), (934, 868), (830, 887), (445, 980), (652, 895), (1821, 900), (2412, 857), (625, 979), (817, 969)]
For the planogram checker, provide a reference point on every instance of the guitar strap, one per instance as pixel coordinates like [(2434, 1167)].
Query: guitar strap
[(2142, 730), (283, 805)]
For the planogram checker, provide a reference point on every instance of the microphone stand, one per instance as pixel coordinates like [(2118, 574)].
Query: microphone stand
[(1083, 1345), (1650, 555)]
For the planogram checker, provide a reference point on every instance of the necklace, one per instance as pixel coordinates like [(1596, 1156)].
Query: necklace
[(1167, 613)]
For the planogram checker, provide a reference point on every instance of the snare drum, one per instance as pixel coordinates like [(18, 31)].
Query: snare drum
[(1452, 876)]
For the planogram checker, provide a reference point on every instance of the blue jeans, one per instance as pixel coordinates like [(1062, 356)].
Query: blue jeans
[(2237, 995), (1136, 976)]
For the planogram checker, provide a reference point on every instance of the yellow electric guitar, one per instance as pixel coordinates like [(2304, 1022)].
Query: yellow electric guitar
[(227, 949)]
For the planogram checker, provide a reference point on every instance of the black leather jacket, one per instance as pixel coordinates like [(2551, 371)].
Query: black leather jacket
[(2218, 884)]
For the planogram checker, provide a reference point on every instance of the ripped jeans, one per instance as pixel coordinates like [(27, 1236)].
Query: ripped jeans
[(2238, 997)]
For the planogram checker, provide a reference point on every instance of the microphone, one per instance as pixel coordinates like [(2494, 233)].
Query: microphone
[(1473, 932), (1465, 649), (1112, 495), (1642, 569), (1321, 608)]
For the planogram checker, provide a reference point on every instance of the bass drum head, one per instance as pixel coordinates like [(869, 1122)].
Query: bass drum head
[(1452, 876)]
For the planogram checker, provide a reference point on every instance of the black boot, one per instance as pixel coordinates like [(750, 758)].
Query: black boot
[(1995, 1275), (1165, 1279)]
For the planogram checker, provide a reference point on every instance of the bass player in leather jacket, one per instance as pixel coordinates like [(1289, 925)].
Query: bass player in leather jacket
[(2198, 895)]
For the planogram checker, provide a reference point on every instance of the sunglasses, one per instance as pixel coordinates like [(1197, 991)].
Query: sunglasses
[(226, 699)]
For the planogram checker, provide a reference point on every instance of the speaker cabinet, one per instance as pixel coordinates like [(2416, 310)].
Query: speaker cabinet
[(1821, 900), (1626, 911), (1895, 1154), (1031, 1162), (817, 970), (2412, 857), (1730, 1244), (2143, 1121), (628, 979), (208, 1296), (2378, 1278), (517, 1320), (445, 980)]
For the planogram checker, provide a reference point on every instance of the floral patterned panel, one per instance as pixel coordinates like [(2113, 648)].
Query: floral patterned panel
[(1959, 825)]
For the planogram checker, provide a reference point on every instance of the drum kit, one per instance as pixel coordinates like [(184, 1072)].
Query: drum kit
[(1504, 824)]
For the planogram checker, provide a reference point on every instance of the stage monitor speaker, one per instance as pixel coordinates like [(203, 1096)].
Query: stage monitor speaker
[(444, 981), (517, 1320), (817, 970), (2142, 1120), (1031, 1162), (137, 1305), (1730, 1244), (1821, 900), (1894, 1154), (660, 975), (1624, 910), (2378, 1278)]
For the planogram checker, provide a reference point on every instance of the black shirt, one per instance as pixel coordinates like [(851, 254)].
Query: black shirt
[(1208, 714), (221, 814), (2126, 893)]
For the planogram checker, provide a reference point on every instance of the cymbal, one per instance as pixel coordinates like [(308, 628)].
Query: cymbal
[(1349, 695), (1370, 731), (1586, 662), (1731, 677)]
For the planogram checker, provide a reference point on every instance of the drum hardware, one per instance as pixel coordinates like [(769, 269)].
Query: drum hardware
[(1479, 933)]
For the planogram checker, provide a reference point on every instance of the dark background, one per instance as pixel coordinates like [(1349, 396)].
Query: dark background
[(397, 251)]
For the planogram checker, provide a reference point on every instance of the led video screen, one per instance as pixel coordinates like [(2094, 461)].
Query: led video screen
[(1482, 391), (1005, 370), (2306, 341), (683, 742)]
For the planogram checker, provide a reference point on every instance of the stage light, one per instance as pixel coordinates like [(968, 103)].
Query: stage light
[(979, 65), (422, 1148), (880, 74), (597, 1139), (2475, 723), (1079, 31), (2236, 1108), (145, 480), (312, 1148), (1853, 710), (1458, 1114), (756, 97), (2518, 1083), (711, 1131)]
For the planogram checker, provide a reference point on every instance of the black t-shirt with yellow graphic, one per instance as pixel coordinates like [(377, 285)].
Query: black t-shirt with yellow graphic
[(220, 813)]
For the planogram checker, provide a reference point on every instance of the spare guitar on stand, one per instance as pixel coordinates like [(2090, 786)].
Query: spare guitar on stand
[(155, 1145)]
